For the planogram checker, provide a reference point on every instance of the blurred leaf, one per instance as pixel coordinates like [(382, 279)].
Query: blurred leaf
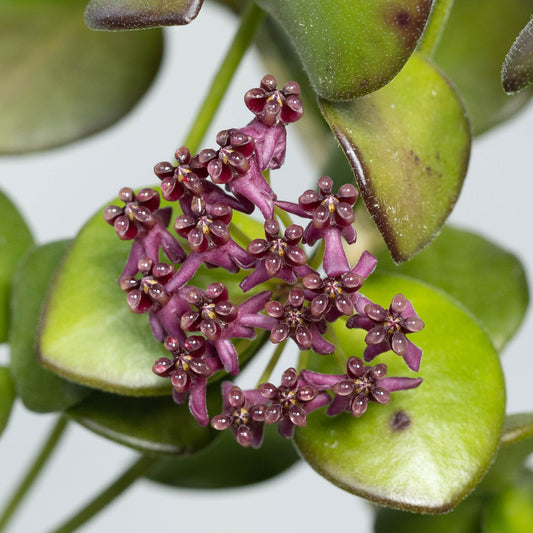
[(511, 511), (517, 71), (516, 446), (478, 273), (471, 53), (409, 146), (154, 425), (7, 396), (62, 81), (89, 334), (131, 14), (465, 518), (15, 239), (351, 47), (39, 389), (451, 424), (225, 464)]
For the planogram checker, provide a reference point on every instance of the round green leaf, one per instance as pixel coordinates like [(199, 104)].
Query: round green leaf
[(155, 425), (409, 145), (472, 54), (511, 511), (225, 464), (451, 424), (485, 280), (62, 81), (351, 47), (39, 389), (15, 239), (131, 14), (517, 71), (7, 396), (90, 336)]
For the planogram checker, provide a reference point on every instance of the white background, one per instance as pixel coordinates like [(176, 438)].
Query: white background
[(58, 190)]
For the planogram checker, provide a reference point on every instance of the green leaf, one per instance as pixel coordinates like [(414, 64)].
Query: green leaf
[(472, 54), (225, 464), (451, 424), (465, 518), (351, 47), (7, 396), (511, 511), (155, 425), (516, 446), (517, 71), (90, 336), (479, 274), (131, 14), (62, 81), (409, 146), (15, 239), (39, 389)]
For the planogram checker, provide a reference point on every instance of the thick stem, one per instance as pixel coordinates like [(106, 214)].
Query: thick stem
[(437, 23), (251, 19), (136, 470), (33, 472)]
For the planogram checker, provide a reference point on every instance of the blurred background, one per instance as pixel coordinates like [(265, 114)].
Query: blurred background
[(58, 190)]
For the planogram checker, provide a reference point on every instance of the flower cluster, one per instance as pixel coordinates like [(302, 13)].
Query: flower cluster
[(199, 324)]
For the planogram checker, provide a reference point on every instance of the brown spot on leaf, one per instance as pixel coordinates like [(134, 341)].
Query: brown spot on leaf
[(408, 19), (400, 421)]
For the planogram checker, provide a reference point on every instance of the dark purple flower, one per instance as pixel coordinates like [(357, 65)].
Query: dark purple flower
[(220, 321), (192, 363), (334, 296), (387, 329), (206, 229), (358, 386), (244, 413), (277, 257), (141, 220), (237, 168), (332, 216), (291, 402), (273, 109), (293, 320), (271, 105)]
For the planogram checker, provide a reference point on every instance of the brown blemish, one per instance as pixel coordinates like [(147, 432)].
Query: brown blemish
[(400, 421), (408, 21)]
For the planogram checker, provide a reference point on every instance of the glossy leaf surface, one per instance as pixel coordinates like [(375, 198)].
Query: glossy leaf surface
[(15, 239), (146, 424), (132, 14), (517, 71), (472, 53), (478, 273), (62, 81), (225, 464), (89, 334), (7, 396), (351, 47), (451, 424), (39, 389), (409, 146)]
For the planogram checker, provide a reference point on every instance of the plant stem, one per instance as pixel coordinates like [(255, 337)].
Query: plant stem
[(136, 470), (272, 363), (435, 28), (33, 472), (251, 19)]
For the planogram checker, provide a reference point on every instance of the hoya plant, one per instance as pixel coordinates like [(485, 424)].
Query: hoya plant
[(227, 315)]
